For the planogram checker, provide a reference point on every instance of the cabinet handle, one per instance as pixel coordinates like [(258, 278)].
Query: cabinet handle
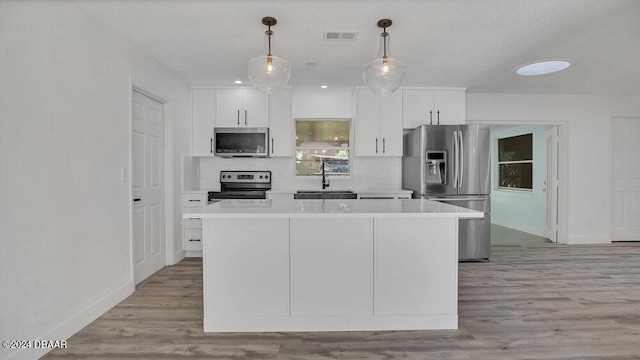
[(192, 200), (137, 199), (438, 117), (194, 239), (384, 147), (245, 118), (238, 117), (376, 145), (430, 117), (272, 145), (211, 145)]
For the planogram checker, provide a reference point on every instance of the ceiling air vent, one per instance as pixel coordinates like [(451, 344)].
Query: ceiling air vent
[(337, 35)]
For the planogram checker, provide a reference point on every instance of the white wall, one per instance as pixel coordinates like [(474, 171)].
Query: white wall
[(588, 121), (523, 210), (64, 136)]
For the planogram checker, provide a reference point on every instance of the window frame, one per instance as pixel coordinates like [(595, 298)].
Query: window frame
[(349, 148), (499, 163)]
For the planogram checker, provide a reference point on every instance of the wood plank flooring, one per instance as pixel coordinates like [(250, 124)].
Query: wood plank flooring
[(542, 301)]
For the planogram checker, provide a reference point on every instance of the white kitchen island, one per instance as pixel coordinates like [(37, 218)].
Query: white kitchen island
[(323, 265)]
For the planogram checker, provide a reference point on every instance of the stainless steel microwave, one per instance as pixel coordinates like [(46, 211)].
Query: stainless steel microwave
[(241, 141)]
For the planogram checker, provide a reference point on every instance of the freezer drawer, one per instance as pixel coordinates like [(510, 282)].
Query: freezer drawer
[(474, 235)]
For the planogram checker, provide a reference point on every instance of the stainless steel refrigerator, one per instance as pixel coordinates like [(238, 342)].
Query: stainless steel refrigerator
[(450, 164)]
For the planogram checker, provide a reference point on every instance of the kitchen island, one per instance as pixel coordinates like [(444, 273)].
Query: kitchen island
[(323, 265)]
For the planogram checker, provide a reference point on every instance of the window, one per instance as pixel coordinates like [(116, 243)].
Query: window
[(515, 162), (322, 141)]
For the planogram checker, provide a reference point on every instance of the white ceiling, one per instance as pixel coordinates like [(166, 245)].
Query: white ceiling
[(468, 43)]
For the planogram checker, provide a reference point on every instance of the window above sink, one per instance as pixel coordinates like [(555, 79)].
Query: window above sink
[(323, 140)]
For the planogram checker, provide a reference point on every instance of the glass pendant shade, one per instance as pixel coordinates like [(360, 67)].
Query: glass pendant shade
[(269, 73), (384, 74)]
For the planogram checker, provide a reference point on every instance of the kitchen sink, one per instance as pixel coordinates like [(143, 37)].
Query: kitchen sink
[(325, 194)]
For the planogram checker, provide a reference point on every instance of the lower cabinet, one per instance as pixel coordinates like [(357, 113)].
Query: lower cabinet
[(192, 228), (331, 267), (247, 269)]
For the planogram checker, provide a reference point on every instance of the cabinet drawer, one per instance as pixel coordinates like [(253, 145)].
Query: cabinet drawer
[(192, 239), (192, 223), (195, 200)]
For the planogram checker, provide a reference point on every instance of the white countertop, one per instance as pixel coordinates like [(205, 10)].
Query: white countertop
[(355, 190), (332, 208)]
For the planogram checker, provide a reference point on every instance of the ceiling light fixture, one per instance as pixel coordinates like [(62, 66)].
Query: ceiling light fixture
[(384, 74), (238, 81), (269, 73), (323, 86), (542, 67)]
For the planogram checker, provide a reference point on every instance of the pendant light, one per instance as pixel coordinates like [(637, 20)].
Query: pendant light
[(269, 73), (384, 74)]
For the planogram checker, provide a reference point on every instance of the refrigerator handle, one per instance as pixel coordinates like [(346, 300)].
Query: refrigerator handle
[(455, 159), (461, 158)]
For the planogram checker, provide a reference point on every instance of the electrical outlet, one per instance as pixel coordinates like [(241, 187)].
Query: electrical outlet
[(124, 174), (589, 224)]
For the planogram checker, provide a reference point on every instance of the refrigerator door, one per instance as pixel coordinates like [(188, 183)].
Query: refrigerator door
[(475, 168), (441, 138), (474, 235)]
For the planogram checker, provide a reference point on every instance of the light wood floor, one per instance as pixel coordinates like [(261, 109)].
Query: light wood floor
[(543, 301)]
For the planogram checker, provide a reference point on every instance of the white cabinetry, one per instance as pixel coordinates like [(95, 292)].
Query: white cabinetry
[(280, 124), (331, 271), (203, 105), (247, 270), (192, 228), (433, 106), (415, 275), (378, 124), (242, 107)]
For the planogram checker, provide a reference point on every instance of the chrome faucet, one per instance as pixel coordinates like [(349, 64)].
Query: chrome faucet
[(325, 181)]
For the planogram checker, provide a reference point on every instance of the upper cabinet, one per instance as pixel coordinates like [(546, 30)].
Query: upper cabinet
[(433, 106), (378, 124), (242, 107), (203, 105), (280, 125)]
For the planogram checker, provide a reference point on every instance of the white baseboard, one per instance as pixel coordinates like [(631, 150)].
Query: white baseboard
[(589, 239), (193, 253), (519, 227), (77, 321), (177, 257)]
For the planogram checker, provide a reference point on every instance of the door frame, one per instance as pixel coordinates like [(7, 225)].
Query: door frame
[(169, 191), (563, 165), (611, 169), (551, 187)]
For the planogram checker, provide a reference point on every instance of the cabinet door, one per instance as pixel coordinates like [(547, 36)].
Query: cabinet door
[(280, 124), (450, 107), (417, 108), (229, 110), (367, 123), (255, 110), (203, 105), (390, 136)]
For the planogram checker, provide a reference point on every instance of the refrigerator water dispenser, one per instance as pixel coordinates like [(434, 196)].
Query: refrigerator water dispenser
[(436, 171)]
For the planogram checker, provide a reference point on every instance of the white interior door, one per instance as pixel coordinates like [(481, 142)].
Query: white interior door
[(148, 186), (626, 180), (551, 182)]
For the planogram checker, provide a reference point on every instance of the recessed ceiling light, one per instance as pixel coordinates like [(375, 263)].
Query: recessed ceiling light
[(542, 68), (323, 86), (238, 81)]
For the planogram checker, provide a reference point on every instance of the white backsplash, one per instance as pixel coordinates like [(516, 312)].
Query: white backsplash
[(367, 173)]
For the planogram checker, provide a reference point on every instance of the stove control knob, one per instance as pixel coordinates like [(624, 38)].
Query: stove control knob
[(260, 176)]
